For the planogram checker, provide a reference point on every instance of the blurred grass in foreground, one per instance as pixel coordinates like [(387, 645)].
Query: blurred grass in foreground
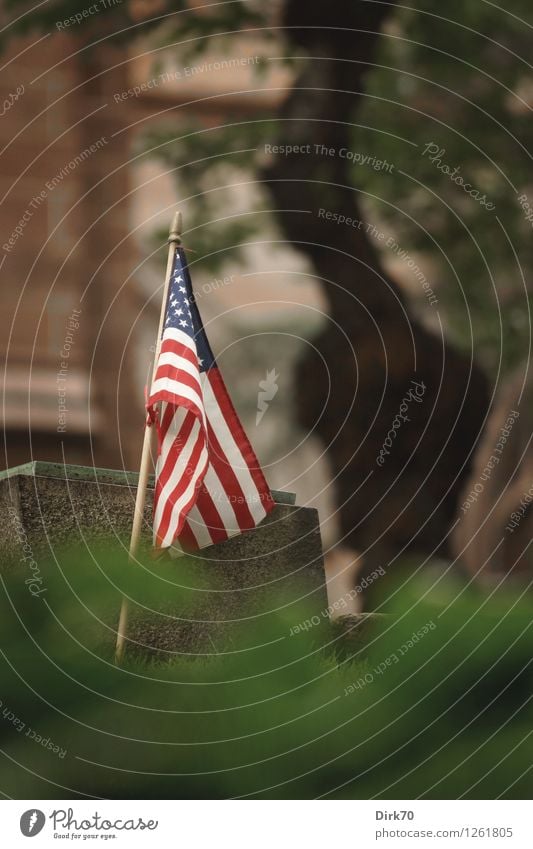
[(280, 716)]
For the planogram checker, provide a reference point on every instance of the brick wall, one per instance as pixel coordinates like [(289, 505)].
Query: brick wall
[(67, 284)]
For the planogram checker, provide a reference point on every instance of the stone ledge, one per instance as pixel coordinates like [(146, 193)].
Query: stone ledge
[(92, 474), (68, 506)]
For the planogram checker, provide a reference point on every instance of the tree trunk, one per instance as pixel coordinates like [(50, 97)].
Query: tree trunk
[(379, 381)]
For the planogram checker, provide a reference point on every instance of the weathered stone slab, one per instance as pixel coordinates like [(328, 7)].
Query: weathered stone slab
[(68, 506)]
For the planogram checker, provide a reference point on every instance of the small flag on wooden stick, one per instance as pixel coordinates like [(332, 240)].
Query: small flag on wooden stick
[(209, 485)]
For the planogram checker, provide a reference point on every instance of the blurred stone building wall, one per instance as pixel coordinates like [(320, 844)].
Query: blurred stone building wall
[(65, 259)]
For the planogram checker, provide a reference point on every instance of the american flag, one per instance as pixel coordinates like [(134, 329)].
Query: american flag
[(209, 485)]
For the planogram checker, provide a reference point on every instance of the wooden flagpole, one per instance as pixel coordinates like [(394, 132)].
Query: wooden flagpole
[(174, 238)]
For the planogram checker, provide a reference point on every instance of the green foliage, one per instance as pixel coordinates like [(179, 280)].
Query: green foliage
[(200, 29), (457, 76), (211, 164), (173, 21), (280, 716)]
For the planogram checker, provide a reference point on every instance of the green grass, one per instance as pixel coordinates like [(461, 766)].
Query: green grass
[(280, 716)]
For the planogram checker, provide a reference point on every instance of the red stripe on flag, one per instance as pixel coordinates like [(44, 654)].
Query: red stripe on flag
[(170, 346), (166, 421), (176, 400), (180, 376), (211, 516), (187, 540)]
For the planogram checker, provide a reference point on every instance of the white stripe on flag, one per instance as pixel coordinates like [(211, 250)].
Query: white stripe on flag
[(221, 501), (198, 526), (177, 389), (169, 358), (181, 337), (173, 430)]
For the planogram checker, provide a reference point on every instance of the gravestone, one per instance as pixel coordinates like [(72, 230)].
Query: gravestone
[(49, 507)]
